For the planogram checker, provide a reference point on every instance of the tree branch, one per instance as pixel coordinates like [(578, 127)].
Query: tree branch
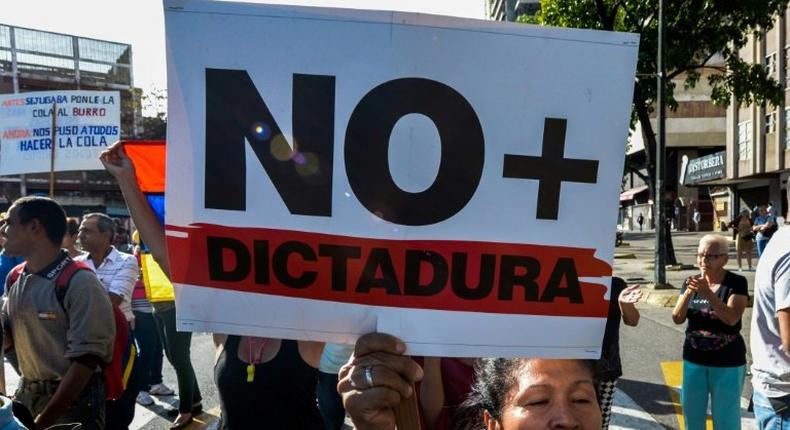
[(630, 15), (703, 65), (606, 23), (635, 169), (615, 5)]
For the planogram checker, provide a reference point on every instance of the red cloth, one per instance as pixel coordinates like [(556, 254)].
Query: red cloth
[(457, 380), (148, 157), (139, 287)]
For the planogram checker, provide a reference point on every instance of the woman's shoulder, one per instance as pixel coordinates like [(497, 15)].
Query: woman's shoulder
[(737, 283)]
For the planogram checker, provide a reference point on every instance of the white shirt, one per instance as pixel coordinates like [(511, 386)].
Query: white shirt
[(770, 363), (118, 273)]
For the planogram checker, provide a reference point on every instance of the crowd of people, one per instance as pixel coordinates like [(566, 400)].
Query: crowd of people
[(88, 344)]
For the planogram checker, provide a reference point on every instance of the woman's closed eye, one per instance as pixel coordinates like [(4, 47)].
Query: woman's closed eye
[(582, 399), (536, 401)]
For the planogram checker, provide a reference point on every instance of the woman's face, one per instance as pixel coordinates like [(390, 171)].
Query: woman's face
[(711, 258), (551, 394)]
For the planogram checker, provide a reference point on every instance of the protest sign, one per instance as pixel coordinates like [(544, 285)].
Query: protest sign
[(87, 122), (453, 182)]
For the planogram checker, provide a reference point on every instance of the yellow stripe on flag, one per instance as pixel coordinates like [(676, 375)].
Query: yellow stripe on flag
[(157, 287)]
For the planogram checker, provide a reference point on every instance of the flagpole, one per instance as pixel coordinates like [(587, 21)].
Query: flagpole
[(54, 135)]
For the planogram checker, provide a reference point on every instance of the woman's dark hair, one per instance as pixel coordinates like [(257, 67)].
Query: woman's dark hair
[(495, 379)]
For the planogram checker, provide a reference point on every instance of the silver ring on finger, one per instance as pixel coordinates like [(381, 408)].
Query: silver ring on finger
[(369, 376)]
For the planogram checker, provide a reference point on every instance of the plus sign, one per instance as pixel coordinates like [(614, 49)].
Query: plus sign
[(551, 168)]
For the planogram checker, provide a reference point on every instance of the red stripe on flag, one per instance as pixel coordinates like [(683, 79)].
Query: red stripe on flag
[(426, 274), (148, 157)]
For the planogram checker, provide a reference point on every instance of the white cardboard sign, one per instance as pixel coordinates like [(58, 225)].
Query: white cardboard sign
[(453, 182), (87, 122)]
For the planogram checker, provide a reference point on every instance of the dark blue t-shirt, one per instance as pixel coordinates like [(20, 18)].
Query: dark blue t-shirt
[(6, 264)]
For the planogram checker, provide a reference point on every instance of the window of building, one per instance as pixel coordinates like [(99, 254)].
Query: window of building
[(5, 36), (43, 43), (770, 63), (105, 52), (787, 63), (745, 140), (5, 61), (787, 128), (770, 123)]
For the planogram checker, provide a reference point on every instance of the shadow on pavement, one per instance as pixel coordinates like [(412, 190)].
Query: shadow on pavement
[(653, 398)]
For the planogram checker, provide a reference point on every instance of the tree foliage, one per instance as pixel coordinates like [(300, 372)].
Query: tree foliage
[(696, 31), (699, 35), (154, 120)]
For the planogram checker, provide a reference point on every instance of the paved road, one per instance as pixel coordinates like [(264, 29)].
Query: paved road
[(647, 397)]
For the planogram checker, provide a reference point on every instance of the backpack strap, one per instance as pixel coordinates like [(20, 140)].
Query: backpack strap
[(63, 280), (14, 275)]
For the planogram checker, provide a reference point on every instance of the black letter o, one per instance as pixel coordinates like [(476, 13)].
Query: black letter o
[(367, 146)]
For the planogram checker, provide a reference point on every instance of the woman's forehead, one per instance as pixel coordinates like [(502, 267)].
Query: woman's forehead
[(540, 370)]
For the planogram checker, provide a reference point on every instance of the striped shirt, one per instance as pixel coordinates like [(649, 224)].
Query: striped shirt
[(118, 273)]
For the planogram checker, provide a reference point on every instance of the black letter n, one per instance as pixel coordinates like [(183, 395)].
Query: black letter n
[(235, 112)]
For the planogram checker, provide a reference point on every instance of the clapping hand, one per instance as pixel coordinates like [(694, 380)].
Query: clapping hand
[(700, 286), (631, 294)]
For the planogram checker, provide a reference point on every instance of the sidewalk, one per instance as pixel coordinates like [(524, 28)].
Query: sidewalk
[(634, 262)]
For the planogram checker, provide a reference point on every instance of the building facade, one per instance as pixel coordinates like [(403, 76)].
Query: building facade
[(694, 130), (758, 136), (35, 60)]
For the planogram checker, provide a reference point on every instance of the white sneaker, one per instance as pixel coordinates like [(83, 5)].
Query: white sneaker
[(161, 390), (144, 399)]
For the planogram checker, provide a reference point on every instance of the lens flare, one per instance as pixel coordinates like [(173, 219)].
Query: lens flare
[(280, 148), (306, 163), (261, 131)]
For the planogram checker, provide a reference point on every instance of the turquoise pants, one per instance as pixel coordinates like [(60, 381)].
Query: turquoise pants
[(724, 386)]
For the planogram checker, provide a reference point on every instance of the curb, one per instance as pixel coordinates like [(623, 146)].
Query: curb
[(664, 299)]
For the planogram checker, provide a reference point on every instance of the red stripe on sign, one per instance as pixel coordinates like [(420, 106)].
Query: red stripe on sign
[(425, 274)]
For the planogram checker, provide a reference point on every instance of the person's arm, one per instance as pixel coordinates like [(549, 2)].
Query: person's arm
[(89, 342), (729, 313), (431, 391), (69, 389), (120, 166), (784, 329), (122, 285), (371, 407), (8, 339), (782, 296), (115, 299), (627, 300), (2, 368), (681, 307)]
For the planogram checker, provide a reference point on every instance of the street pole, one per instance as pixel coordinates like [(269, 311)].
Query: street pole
[(53, 134), (661, 251)]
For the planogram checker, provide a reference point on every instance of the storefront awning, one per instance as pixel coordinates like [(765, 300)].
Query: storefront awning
[(629, 194)]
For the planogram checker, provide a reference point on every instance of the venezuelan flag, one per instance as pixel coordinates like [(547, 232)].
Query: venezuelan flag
[(148, 158)]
